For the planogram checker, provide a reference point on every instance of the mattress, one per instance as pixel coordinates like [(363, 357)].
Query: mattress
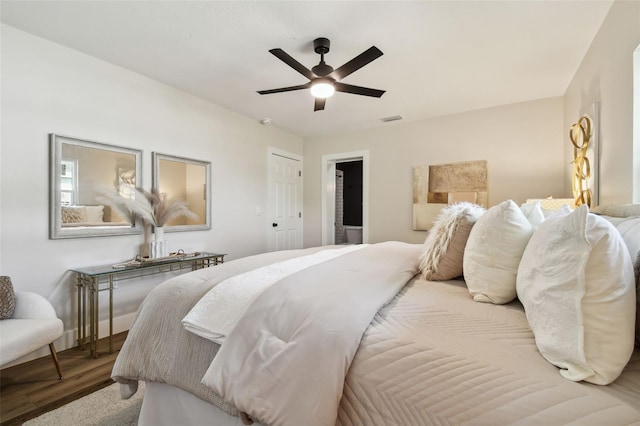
[(432, 356)]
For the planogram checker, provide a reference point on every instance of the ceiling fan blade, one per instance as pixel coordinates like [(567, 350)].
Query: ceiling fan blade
[(357, 90), (356, 63), (319, 104), (287, 59), (285, 89)]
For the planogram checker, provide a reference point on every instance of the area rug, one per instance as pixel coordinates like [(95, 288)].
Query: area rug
[(101, 408)]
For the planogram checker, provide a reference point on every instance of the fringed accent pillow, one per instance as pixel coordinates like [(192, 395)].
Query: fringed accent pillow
[(7, 298), (444, 247)]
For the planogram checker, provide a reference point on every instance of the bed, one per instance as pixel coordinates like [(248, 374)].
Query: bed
[(429, 354)]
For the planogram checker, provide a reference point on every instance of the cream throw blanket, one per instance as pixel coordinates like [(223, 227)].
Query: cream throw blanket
[(285, 361)]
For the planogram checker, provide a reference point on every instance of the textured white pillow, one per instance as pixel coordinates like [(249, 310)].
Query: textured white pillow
[(493, 252), (445, 243), (576, 284)]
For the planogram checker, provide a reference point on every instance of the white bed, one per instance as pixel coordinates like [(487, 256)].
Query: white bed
[(431, 356)]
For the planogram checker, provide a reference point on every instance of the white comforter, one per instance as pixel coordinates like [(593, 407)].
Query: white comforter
[(287, 357), (215, 315)]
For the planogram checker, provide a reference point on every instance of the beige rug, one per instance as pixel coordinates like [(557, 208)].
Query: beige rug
[(104, 407)]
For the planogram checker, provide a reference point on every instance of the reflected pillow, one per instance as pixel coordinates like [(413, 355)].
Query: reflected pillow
[(94, 213), (493, 252), (74, 214), (445, 243), (577, 287)]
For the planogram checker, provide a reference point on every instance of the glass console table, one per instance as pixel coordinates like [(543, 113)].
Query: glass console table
[(92, 280)]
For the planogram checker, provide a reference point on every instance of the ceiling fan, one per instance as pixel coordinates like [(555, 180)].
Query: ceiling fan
[(323, 79)]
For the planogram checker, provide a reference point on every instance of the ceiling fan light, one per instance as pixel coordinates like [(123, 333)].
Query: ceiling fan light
[(322, 89)]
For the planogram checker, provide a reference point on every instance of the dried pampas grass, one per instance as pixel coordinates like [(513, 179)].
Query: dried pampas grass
[(152, 207)]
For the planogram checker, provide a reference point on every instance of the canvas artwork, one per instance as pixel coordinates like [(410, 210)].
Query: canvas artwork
[(436, 186)]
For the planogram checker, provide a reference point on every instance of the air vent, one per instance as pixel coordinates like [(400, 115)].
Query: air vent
[(393, 118)]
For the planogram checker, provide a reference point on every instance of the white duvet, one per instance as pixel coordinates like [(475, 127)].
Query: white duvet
[(215, 315), (286, 359)]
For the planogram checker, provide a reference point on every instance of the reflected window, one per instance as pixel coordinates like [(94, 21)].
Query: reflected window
[(68, 183)]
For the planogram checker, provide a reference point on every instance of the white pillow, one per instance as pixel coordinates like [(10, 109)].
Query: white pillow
[(493, 252), (576, 284), (629, 228), (95, 213), (533, 213), (445, 243)]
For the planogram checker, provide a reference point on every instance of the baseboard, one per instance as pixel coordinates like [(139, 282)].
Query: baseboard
[(69, 338)]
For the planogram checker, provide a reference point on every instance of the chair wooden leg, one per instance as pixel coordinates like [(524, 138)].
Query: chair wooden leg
[(54, 355)]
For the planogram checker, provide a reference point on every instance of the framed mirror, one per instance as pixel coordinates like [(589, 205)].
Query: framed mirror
[(186, 180), (80, 171)]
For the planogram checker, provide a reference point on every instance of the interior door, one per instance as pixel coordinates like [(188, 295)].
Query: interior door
[(285, 176)]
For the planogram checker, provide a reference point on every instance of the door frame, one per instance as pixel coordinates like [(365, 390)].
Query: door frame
[(328, 192), (271, 151)]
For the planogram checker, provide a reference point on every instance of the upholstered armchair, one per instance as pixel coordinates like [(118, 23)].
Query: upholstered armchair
[(32, 325)]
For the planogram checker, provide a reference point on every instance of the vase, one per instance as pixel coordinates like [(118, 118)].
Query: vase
[(159, 247), (144, 247)]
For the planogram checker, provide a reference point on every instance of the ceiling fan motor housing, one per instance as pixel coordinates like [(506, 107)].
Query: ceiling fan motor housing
[(321, 45)]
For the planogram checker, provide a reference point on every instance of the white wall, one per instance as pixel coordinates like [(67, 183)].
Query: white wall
[(47, 88), (606, 76), (522, 144)]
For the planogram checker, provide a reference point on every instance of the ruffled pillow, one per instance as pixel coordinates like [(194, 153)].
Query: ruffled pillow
[(444, 247)]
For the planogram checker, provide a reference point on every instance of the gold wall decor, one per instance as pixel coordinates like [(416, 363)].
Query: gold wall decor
[(434, 187), (580, 134)]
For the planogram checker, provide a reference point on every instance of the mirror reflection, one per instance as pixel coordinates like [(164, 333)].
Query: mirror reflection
[(186, 180), (81, 171)]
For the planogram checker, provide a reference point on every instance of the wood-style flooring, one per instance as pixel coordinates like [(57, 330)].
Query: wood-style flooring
[(31, 389)]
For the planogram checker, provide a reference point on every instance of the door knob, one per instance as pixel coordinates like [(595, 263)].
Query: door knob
[(275, 225)]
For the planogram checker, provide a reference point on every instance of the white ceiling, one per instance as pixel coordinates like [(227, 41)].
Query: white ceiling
[(440, 57)]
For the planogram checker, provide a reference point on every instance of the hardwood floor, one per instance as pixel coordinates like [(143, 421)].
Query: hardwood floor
[(31, 389)]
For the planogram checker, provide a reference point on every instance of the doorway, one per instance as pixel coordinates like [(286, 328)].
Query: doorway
[(348, 216), (330, 164)]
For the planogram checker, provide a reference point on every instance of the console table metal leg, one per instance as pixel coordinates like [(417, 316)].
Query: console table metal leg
[(110, 314), (95, 318), (91, 316), (80, 307)]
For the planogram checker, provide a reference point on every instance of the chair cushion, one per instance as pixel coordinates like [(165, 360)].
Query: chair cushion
[(7, 298), (20, 337)]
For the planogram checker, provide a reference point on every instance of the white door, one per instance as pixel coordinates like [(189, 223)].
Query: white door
[(285, 201)]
